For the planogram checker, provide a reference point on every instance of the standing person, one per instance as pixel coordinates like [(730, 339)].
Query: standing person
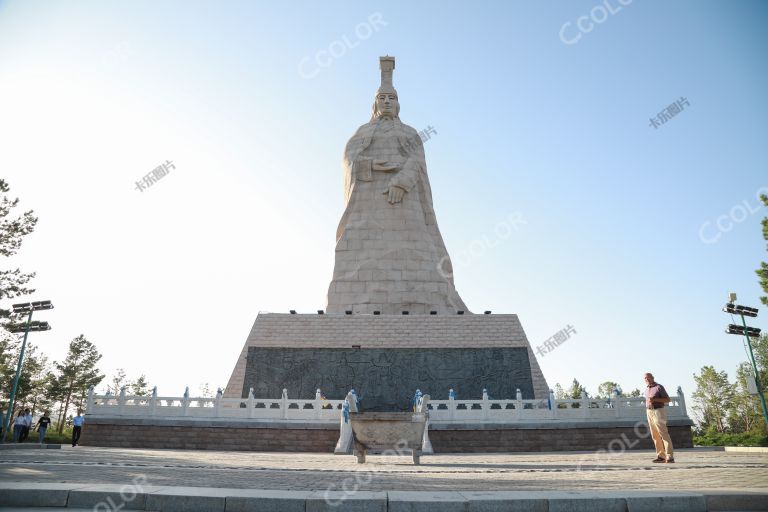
[(27, 425), (42, 425), (656, 398), (18, 426), (77, 427)]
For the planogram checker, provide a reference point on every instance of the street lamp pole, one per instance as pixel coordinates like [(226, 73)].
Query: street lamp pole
[(757, 374), (29, 326), (747, 331)]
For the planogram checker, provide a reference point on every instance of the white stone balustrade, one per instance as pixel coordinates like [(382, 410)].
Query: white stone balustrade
[(282, 409), (319, 410), (486, 410)]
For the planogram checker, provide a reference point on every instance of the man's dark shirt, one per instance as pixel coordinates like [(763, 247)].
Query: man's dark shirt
[(44, 422), (654, 390)]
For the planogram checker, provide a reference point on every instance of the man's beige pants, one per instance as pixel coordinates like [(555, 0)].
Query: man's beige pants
[(657, 421)]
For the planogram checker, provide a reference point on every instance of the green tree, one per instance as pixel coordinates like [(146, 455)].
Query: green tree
[(760, 351), (560, 392), (762, 272), (635, 393), (33, 378), (139, 387), (118, 381), (13, 229), (745, 412), (713, 398), (575, 390), (605, 390), (205, 390), (76, 374)]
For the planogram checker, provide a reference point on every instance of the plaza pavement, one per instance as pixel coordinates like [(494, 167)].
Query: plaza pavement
[(696, 471)]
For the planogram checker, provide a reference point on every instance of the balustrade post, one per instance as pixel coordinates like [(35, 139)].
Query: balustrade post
[(284, 403), (185, 402), (89, 404), (486, 404), (153, 402), (584, 405), (451, 404), (217, 403), (318, 403), (121, 401), (518, 404), (251, 403), (552, 404), (681, 399)]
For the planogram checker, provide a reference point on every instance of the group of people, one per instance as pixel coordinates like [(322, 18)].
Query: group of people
[(22, 425)]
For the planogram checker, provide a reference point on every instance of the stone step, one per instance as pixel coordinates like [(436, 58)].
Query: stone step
[(38, 496)]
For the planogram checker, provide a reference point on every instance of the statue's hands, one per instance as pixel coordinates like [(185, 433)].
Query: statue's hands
[(385, 166), (395, 194)]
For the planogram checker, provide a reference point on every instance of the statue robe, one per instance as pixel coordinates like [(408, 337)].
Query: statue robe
[(389, 257)]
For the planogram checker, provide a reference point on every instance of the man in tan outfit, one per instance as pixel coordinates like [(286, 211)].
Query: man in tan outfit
[(656, 398)]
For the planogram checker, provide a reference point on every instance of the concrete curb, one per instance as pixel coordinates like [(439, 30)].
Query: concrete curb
[(29, 446), (211, 499)]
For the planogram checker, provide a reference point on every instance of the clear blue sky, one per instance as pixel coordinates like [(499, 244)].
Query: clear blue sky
[(168, 281)]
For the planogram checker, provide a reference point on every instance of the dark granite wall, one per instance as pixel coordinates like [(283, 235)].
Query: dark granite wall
[(386, 379)]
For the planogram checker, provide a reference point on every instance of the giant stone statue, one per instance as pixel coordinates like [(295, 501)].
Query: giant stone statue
[(390, 256)]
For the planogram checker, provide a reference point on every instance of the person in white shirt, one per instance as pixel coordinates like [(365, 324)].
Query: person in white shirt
[(23, 421)]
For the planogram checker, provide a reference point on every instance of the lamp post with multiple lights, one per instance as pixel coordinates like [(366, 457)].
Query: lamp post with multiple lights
[(748, 332), (30, 326)]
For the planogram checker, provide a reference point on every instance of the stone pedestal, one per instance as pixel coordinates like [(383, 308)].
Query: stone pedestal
[(387, 357)]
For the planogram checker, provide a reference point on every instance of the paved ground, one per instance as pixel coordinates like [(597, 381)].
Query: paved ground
[(695, 469)]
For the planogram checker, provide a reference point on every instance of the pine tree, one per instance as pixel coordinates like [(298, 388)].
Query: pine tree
[(139, 387), (575, 390), (13, 229), (77, 373), (762, 272)]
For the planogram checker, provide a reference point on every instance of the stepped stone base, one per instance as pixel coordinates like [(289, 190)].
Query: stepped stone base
[(284, 437), (387, 357)]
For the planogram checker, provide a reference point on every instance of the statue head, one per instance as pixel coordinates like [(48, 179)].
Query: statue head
[(386, 104)]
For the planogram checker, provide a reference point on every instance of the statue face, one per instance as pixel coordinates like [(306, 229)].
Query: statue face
[(387, 105)]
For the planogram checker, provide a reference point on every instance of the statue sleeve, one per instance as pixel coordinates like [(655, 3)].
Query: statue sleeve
[(414, 164)]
